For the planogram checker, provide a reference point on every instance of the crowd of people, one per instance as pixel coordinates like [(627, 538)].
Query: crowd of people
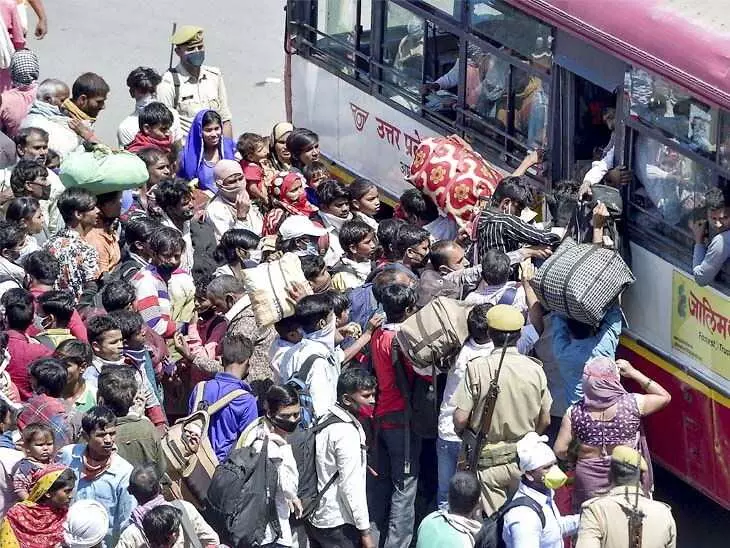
[(125, 311)]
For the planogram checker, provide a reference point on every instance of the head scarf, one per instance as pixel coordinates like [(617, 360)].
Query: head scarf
[(191, 156), (602, 386), (86, 525), (24, 67), (279, 130), (283, 206), (140, 511), (534, 452), (29, 524)]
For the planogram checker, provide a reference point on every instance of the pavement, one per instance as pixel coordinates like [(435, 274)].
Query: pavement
[(242, 37)]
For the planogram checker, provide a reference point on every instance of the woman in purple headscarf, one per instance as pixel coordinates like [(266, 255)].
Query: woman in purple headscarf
[(205, 147), (607, 416)]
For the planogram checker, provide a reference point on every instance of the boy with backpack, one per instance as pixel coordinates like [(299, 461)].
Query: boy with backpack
[(358, 242), (229, 423)]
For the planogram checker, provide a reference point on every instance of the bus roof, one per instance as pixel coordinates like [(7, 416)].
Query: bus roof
[(686, 41)]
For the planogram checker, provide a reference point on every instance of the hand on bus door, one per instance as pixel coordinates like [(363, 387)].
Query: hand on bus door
[(600, 214)]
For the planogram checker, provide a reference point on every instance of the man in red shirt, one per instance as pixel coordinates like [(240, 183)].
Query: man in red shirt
[(397, 448), (19, 311)]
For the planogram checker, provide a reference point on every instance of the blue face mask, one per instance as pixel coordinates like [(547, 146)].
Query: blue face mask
[(311, 249), (195, 58)]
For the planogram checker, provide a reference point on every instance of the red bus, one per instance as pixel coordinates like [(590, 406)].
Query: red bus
[(374, 77)]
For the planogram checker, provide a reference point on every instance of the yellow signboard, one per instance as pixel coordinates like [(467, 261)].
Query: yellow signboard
[(701, 324)]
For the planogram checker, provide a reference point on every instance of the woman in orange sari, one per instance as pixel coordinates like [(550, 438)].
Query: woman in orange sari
[(37, 522)]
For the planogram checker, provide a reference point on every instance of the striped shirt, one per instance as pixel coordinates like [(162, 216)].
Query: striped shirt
[(156, 300), (508, 233)]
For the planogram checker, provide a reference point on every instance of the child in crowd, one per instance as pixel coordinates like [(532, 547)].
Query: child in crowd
[(53, 161), (39, 449), (48, 379), (387, 236), (254, 151), (334, 203), (9, 433), (27, 214), (316, 273), (287, 335), (155, 122), (77, 357), (416, 208), (142, 200), (365, 201), (315, 173), (358, 242), (237, 250), (288, 197)]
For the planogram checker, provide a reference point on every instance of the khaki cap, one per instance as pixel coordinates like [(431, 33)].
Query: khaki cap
[(185, 34)]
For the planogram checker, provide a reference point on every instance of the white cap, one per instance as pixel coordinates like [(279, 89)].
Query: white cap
[(534, 452), (299, 225), (87, 523)]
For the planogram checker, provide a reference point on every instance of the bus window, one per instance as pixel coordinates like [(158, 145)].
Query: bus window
[(723, 151), (530, 113), (595, 120), (403, 54), (452, 7), (506, 26), (664, 106), (337, 24)]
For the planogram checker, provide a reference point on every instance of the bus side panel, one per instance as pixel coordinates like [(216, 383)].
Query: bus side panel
[(722, 451)]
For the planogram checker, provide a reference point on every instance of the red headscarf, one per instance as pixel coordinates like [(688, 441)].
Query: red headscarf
[(283, 206), (602, 383)]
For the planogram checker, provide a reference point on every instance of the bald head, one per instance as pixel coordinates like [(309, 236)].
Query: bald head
[(53, 91)]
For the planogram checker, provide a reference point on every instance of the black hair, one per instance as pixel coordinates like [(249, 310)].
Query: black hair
[(21, 138), (202, 281), (298, 141), (96, 326), (165, 239), (226, 285), (286, 325), (117, 295), (66, 479), (24, 172), (151, 155), (359, 187), (171, 192), (502, 338), (313, 169), (75, 351), (388, 234), (515, 189), (312, 266), (280, 396), (50, 376), (464, 493), (144, 79), (248, 143), (97, 417), (139, 229), (19, 307), (154, 114), (340, 301), (144, 482), (233, 239), (330, 191), (409, 236), (621, 473), (416, 203), (386, 277), (59, 303), (311, 310), (354, 380), (160, 524), (476, 321), (440, 253), (117, 387), (396, 300), (130, 322), (211, 117), (11, 235), (89, 84), (353, 232), (75, 200), (715, 199), (52, 156), (495, 267), (235, 348), (43, 266), (33, 429), (21, 209), (5, 409)]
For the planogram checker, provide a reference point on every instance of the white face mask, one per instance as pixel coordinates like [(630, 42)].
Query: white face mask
[(326, 335)]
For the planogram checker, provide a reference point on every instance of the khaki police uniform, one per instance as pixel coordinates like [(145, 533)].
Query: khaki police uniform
[(604, 522), (523, 395)]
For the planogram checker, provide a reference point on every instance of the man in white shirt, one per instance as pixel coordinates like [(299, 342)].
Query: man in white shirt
[(523, 525), (342, 518), (232, 207)]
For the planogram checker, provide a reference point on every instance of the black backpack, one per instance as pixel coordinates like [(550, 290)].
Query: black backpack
[(298, 381), (490, 535), (240, 500), (303, 447)]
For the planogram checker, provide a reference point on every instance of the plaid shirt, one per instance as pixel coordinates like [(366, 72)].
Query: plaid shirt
[(50, 411)]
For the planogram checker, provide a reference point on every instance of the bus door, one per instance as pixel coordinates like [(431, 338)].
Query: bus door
[(586, 95)]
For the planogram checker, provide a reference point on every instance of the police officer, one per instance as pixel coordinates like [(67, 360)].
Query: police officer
[(604, 521), (522, 405), (192, 86)]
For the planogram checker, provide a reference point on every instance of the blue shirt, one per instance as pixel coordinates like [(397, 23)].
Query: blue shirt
[(572, 354), (708, 261), (227, 424), (110, 489)]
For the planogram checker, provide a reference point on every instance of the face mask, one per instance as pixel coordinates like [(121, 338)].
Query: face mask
[(39, 322), (311, 249), (554, 478), (286, 425), (326, 335), (166, 270), (365, 411), (195, 58)]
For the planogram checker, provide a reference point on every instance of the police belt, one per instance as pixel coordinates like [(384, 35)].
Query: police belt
[(497, 454)]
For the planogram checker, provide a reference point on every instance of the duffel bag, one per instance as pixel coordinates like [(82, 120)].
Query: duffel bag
[(103, 170), (453, 175), (434, 334), (582, 281), (267, 286)]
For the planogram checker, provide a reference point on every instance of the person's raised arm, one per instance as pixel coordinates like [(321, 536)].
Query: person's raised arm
[(656, 397), (41, 27)]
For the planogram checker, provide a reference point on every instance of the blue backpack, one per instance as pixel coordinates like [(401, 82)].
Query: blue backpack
[(362, 304)]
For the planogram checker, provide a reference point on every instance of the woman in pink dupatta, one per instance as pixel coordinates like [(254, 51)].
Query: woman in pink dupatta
[(607, 416)]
